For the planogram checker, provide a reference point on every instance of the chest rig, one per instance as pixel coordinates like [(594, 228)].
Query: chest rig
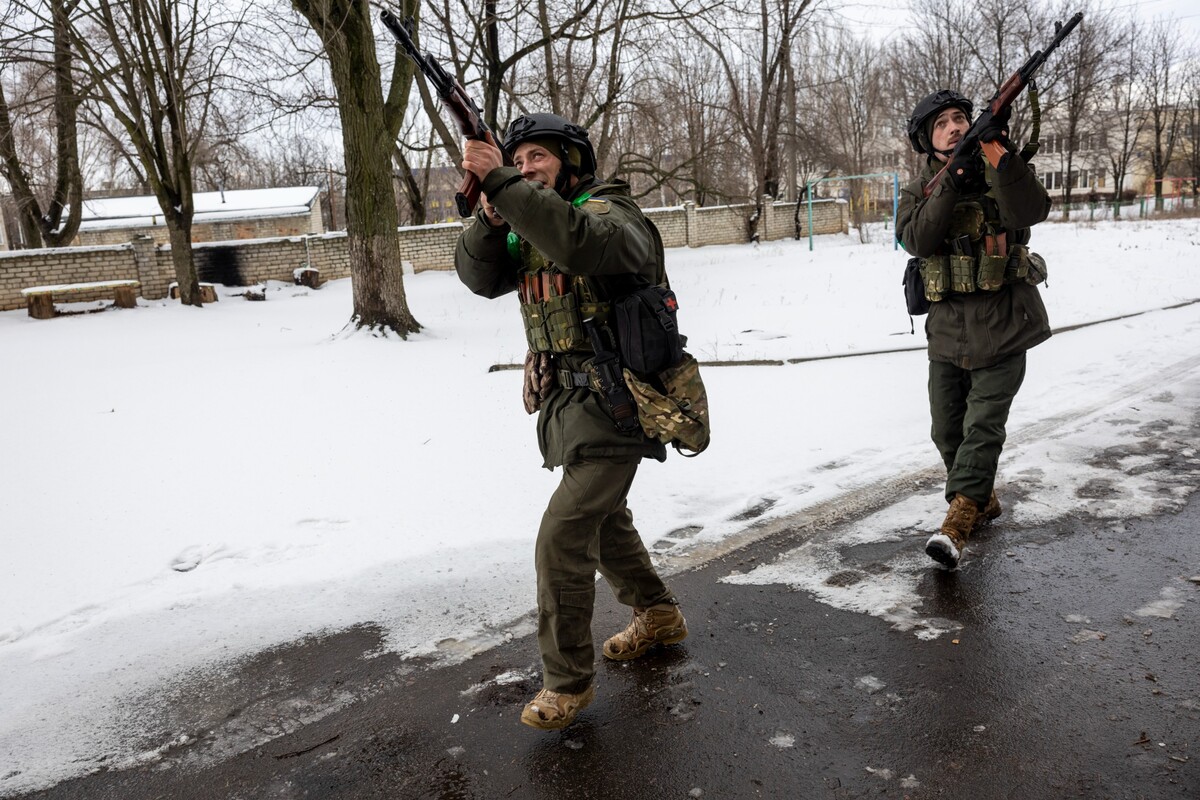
[(553, 303), (977, 254)]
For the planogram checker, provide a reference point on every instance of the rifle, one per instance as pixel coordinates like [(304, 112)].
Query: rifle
[(996, 154), (454, 97)]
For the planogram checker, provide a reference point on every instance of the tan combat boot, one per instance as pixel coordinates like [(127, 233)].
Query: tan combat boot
[(660, 624), (946, 547), (549, 711), (989, 512)]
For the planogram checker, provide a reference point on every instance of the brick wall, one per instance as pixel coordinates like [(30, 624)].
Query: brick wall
[(248, 262)]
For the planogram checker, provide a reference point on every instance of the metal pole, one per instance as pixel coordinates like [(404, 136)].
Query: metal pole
[(808, 193), (896, 209)]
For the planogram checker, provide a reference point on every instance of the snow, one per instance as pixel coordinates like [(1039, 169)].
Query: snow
[(235, 200), (183, 488), (144, 210)]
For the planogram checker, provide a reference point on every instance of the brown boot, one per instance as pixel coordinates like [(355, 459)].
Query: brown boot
[(549, 711), (989, 512), (946, 547), (660, 624)]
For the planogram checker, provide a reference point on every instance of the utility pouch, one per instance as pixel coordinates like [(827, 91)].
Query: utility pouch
[(1018, 264), (935, 271), (914, 289), (991, 272), (533, 314), (672, 406), (962, 273), (647, 330), (564, 328), (1037, 271)]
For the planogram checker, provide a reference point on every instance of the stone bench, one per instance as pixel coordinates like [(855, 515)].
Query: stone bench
[(41, 298)]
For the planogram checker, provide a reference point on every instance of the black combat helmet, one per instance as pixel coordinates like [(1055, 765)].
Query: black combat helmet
[(570, 136), (929, 108)]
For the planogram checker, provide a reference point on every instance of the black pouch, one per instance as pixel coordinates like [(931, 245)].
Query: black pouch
[(647, 330), (914, 289)]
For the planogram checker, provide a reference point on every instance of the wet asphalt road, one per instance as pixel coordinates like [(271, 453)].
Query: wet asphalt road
[(1054, 687)]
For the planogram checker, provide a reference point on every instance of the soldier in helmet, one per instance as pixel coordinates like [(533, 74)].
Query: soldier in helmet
[(569, 245), (972, 234)]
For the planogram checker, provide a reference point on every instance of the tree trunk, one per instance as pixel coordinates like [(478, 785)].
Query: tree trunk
[(371, 217), (180, 232)]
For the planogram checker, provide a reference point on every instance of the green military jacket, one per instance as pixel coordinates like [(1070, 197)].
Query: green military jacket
[(606, 238), (977, 329)]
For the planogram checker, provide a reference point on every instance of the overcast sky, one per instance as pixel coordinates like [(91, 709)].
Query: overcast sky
[(884, 18)]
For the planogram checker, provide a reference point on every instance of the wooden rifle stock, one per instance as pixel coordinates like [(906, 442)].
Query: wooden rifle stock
[(453, 97), (997, 155)]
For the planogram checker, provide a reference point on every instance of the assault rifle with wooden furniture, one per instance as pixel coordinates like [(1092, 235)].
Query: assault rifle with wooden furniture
[(453, 97), (997, 154)]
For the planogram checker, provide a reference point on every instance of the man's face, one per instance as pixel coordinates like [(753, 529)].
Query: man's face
[(948, 127), (537, 163)]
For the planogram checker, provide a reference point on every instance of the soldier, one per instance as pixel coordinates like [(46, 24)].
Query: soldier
[(972, 234), (569, 245)]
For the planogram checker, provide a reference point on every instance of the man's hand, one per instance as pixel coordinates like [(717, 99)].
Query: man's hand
[(481, 157), (997, 129), (966, 170), (489, 212)]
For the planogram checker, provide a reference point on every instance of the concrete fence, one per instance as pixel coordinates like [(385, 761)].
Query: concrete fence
[(251, 261)]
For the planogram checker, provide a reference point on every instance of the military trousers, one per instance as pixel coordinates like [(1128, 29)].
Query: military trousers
[(969, 408), (587, 527)]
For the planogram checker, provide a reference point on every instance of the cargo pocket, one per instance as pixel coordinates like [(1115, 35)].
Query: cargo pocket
[(573, 627)]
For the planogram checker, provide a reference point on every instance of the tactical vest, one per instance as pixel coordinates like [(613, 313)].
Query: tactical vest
[(554, 304), (978, 253)]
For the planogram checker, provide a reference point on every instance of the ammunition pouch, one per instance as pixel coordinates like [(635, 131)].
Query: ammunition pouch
[(942, 275), (554, 324)]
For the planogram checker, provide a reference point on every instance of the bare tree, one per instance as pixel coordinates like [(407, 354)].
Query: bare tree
[(370, 123), (854, 98), (155, 66), (1121, 118), (42, 220), (1086, 66), (1161, 97), (1192, 126), (751, 44)]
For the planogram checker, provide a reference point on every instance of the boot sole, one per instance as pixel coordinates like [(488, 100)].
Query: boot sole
[(674, 637), (939, 549)]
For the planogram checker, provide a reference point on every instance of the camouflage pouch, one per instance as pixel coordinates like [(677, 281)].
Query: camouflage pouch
[(966, 220), (962, 273), (534, 316), (1017, 267), (1037, 270), (674, 407), (563, 325), (935, 272), (991, 272)]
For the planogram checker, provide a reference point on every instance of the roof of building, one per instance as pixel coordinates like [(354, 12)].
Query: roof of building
[(123, 212)]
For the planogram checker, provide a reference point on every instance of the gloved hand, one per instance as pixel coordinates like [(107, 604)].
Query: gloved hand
[(966, 170), (997, 129)]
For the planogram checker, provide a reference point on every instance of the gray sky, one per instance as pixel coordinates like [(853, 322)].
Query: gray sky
[(884, 18)]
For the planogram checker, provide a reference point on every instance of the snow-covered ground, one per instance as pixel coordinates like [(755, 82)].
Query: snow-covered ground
[(182, 488)]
